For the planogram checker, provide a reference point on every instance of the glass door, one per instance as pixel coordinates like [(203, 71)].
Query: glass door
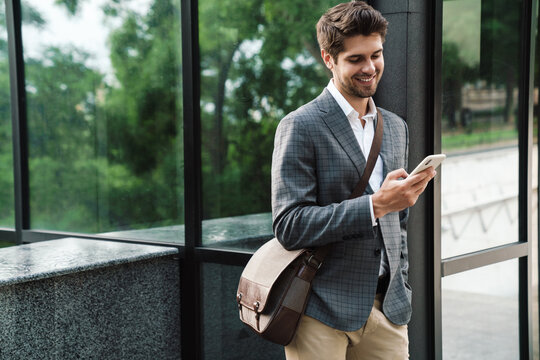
[(486, 189)]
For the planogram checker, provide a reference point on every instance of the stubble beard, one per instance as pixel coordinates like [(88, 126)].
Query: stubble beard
[(355, 91)]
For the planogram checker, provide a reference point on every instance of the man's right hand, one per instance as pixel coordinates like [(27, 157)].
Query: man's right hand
[(396, 195)]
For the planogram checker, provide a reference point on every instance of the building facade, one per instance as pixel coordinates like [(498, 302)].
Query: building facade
[(152, 121)]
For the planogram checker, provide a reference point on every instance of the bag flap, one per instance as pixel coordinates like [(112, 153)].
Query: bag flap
[(262, 271)]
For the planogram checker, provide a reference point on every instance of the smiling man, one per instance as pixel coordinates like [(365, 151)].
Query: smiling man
[(360, 302)]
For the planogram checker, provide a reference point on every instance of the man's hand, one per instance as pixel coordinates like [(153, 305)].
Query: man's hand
[(396, 195)]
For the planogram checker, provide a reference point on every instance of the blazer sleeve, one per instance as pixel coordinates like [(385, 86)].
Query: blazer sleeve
[(403, 220), (299, 220)]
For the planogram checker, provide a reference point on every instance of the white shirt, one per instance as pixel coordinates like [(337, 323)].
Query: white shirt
[(364, 135)]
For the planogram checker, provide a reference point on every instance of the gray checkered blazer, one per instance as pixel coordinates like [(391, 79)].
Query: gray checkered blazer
[(316, 164)]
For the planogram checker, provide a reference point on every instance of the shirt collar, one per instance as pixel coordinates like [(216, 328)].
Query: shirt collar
[(347, 109)]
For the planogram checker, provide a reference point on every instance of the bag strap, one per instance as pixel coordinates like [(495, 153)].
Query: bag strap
[(320, 253), (372, 158)]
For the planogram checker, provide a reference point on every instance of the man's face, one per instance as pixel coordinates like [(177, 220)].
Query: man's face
[(359, 66)]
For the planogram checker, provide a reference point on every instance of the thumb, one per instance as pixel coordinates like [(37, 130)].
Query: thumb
[(396, 174)]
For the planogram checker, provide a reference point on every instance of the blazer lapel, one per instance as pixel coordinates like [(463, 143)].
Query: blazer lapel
[(340, 127)]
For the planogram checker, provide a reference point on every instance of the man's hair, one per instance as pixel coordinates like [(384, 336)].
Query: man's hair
[(346, 20)]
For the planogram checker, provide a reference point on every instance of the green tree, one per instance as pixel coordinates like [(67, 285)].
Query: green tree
[(455, 73), (260, 60), (500, 45), (62, 126), (144, 110), (105, 155)]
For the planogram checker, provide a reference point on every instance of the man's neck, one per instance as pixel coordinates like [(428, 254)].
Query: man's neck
[(360, 105)]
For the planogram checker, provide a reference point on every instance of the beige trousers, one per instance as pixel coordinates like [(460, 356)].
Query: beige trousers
[(377, 339)]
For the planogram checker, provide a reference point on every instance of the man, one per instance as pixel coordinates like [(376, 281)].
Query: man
[(360, 301)]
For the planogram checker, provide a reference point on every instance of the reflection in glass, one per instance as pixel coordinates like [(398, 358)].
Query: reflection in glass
[(259, 61), (104, 116), (7, 206), (480, 317), (225, 337), (480, 73)]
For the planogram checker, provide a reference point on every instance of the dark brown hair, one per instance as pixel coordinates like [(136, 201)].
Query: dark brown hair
[(346, 20)]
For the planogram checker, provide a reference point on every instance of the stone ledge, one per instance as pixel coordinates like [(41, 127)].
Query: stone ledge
[(89, 299), (245, 232), (52, 258)]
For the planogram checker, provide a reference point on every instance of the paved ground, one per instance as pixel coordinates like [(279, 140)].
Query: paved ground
[(479, 327)]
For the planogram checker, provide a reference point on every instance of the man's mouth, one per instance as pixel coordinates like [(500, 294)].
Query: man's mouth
[(365, 79)]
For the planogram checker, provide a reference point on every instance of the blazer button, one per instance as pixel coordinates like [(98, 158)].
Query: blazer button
[(377, 252)]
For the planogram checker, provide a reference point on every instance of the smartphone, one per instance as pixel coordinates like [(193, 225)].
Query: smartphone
[(429, 161)]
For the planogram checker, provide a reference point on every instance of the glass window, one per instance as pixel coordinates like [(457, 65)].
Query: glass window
[(480, 73), (7, 197), (258, 63), (225, 337), (480, 317), (104, 91)]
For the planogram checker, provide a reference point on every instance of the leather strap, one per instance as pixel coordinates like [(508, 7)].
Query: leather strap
[(372, 158), (320, 253)]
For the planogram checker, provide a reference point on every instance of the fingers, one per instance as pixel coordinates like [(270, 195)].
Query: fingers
[(425, 175), (396, 195)]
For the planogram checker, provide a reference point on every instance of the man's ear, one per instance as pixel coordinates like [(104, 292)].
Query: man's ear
[(328, 59)]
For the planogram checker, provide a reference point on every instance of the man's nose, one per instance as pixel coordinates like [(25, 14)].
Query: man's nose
[(368, 67)]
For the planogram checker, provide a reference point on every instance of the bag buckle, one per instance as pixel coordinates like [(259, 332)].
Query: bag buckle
[(313, 262)]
